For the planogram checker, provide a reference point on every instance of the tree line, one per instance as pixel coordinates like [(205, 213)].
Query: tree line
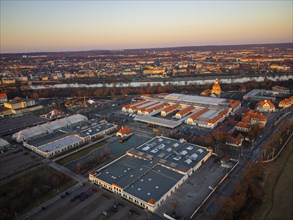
[(248, 193)]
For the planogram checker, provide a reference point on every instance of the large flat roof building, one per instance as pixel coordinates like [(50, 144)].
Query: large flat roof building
[(195, 99), (260, 95), (64, 139), (148, 174), (30, 133), (55, 145)]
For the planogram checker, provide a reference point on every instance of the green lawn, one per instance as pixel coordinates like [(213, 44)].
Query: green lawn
[(80, 153), (30, 190)]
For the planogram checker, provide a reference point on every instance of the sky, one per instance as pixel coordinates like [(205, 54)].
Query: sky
[(44, 26)]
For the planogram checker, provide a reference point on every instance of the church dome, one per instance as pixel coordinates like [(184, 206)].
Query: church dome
[(216, 88)]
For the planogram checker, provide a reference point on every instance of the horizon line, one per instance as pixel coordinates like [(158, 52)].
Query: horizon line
[(144, 48)]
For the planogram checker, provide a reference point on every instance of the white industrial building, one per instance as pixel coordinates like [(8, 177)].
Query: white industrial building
[(47, 128), (61, 136), (150, 173)]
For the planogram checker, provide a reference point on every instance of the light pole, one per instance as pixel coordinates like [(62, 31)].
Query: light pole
[(148, 214)]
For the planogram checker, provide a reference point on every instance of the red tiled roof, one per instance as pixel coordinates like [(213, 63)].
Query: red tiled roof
[(145, 107), (146, 95), (242, 124), (265, 102), (3, 96), (254, 115), (234, 103), (152, 201), (125, 130), (156, 107), (171, 108), (286, 101), (280, 87), (135, 103), (136, 106), (185, 110), (218, 116), (200, 112), (246, 118)]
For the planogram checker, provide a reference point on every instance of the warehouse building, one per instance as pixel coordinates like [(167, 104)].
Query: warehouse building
[(260, 95), (55, 139), (195, 99), (93, 129), (54, 144), (47, 128), (150, 173)]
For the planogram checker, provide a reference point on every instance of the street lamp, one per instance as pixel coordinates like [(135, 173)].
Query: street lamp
[(148, 214)]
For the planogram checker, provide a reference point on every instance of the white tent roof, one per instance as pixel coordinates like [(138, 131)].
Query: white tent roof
[(28, 133), (3, 143)]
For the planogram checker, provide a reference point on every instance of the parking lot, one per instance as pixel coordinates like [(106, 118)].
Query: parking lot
[(15, 161), (90, 203), (12, 125), (197, 187)]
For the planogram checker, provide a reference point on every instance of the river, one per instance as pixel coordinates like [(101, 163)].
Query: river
[(171, 81)]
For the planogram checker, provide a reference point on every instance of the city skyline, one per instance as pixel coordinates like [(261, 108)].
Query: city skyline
[(47, 26)]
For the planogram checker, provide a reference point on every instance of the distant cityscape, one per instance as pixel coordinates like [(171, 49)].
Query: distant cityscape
[(94, 66)]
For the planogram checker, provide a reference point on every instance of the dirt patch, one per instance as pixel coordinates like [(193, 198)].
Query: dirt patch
[(278, 188)]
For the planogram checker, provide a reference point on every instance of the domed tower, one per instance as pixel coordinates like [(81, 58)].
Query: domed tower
[(216, 88)]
